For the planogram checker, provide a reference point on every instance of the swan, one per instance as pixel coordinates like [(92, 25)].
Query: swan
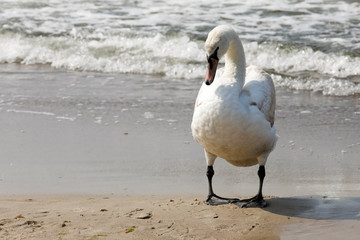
[(234, 114)]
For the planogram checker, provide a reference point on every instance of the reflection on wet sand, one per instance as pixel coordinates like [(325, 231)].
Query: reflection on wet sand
[(317, 207), (322, 217)]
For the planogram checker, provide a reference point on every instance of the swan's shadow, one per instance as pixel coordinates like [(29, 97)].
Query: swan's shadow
[(316, 207)]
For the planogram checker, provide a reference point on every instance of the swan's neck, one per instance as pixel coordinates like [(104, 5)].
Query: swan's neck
[(235, 64)]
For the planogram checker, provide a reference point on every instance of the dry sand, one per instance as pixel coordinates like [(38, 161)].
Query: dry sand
[(174, 217), (124, 217)]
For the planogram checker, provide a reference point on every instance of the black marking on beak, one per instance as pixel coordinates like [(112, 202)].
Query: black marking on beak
[(213, 60), (214, 56)]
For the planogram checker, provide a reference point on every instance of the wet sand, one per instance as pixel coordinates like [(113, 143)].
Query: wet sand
[(68, 135)]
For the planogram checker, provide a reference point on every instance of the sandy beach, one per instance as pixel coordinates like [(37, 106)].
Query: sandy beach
[(174, 217), (89, 155), (125, 217)]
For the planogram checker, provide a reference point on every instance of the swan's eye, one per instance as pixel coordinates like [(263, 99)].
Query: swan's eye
[(214, 55)]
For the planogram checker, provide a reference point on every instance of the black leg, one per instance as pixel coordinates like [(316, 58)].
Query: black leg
[(210, 199), (258, 200), (210, 173), (261, 174)]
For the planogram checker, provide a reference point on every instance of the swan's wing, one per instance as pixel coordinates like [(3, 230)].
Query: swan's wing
[(261, 90)]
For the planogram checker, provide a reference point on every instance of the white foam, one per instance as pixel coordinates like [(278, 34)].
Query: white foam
[(331, 86), (154, 37), (179, 57), (288, 59), (148, 115), (306, 112), (173, 57), (66, 118), (30, 112)]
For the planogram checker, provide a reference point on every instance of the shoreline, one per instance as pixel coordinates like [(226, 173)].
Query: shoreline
[(85, 132)]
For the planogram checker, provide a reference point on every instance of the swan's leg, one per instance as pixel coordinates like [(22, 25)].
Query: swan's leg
[(210, 199), (258, 200), (210, 173)]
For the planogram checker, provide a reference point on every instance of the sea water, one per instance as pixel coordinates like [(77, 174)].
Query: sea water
[(305, 45)]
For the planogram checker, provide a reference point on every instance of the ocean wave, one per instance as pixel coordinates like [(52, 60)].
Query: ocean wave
[(304, 45), (174, 57), (327, 86), (179, 57), (295, 58), (302, 68)]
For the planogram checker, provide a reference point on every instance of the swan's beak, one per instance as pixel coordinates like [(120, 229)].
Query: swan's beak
[(211, 71)]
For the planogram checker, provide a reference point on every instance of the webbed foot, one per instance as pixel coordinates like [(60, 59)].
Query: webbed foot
[(254, 202), (214, 199)]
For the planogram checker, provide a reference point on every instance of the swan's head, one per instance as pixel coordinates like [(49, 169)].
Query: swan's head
[(216, 45)]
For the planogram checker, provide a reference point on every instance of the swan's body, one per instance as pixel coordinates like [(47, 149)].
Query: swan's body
[(234, 114)]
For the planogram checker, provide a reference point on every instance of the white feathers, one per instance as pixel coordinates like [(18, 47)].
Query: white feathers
[(233, 117)]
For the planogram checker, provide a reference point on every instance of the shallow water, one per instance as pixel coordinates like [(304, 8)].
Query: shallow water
[(85, 132), (305, 45)]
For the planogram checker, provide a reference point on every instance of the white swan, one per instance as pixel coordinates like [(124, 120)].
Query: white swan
[(234, 114)]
